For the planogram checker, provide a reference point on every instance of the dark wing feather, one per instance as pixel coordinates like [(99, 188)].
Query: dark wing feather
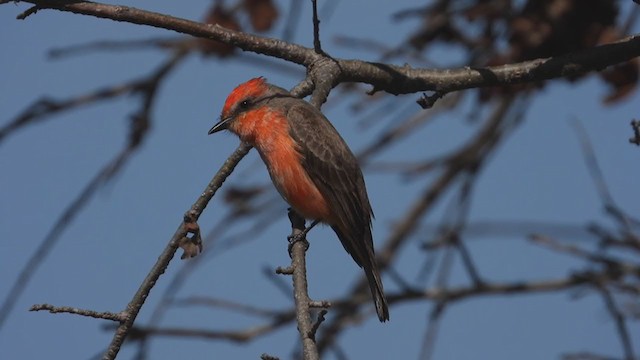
[(334, 170)]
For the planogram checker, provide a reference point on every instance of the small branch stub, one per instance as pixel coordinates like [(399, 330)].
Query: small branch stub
[(119, 317), (427, 101), (284, 270), (268, 357)]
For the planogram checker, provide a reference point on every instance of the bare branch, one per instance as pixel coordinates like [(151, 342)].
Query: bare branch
[(146, 85), (119, 317), (171, 43), (456, 294), (384, 77), (141, 333), (592, 165), (272, 47), (405, 80), (30, 11), (428, 344), (620, 321), (226, 304), (576, 251), (46, 106), (301, 295), (134, 306)]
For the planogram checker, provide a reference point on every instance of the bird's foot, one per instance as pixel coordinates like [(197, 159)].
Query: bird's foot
[(299, 237)]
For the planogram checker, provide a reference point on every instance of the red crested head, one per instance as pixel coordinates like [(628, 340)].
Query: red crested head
[(246, 104), (247, 91)]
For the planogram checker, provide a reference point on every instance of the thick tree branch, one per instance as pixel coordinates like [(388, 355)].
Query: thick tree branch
[(405, 80), (272, 47), (384, 77)]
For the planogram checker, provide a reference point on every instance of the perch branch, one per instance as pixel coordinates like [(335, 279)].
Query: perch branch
[(134, 306)]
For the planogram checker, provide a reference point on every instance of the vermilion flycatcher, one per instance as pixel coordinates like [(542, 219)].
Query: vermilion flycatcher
[(311, 166)]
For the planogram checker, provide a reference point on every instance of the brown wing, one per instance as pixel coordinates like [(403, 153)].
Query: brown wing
[(334, 170)]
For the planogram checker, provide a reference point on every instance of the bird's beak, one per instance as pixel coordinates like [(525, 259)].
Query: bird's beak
[(223, 124)]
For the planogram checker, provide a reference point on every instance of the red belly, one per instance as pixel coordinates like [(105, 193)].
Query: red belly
[(293, 183), (270, 135)]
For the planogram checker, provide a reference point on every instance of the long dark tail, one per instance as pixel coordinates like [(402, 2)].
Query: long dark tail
[(362, 253), (377, 292)]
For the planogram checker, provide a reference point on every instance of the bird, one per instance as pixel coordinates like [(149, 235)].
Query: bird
[(310, 165)]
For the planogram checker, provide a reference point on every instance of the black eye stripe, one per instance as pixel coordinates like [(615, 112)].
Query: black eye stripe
[(249, 103)]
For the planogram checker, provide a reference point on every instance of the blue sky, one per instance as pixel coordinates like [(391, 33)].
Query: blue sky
[(538, 174)]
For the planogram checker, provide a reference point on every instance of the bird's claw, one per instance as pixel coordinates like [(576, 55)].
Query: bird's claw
[(294, 238)]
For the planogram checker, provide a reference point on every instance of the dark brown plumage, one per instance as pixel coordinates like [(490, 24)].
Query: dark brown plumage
[(334, 169)]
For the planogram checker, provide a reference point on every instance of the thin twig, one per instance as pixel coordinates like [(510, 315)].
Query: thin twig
[(119, 45), (316, 28), (30, 11), (598, 177), (119, 317), (592, 164), (278, 281), (43, 107), (225, 304), (431, 333), (621, 326), (578, 252), (141, 333)]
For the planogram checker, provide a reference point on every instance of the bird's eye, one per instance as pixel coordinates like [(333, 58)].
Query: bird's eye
[(244, 104)]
